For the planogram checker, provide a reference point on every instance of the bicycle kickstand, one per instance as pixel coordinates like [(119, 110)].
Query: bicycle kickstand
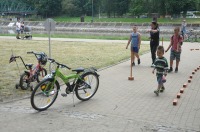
[(73, 98)]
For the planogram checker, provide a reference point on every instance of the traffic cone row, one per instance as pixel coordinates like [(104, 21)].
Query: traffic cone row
[(194, 49), (175, 101)]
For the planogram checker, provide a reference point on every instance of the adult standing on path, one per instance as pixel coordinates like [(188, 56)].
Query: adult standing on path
[(183, 29), (154, 40), (18, 28)]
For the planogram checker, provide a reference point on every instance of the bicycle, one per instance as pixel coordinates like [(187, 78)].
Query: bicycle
[(82, 82), (33, 74), (191, 36)]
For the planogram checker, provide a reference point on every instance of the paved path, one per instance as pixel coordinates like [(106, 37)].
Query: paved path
[(119, 105)]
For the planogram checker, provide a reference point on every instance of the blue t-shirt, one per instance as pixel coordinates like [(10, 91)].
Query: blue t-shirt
[(135, 39)]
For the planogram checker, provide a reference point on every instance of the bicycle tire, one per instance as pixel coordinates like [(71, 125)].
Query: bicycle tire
[(24, 81), (82, 86), (45, 73), (43, 93)]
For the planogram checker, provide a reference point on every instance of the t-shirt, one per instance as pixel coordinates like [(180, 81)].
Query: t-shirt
[(135, 39), (175, 39), (183, 26), (18, 25), (160, 65), (155, 36)]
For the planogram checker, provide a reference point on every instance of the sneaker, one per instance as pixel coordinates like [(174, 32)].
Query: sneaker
[(156, 92), (176, 70), (170, 70), (133, 64), (152, 65), (139, 61), (162, 89)]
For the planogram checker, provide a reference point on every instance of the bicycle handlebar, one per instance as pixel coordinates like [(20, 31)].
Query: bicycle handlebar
[(59, 64), (31, 52)]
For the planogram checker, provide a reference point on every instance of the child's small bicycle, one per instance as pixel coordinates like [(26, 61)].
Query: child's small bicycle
[(83, 82), (33, 74)]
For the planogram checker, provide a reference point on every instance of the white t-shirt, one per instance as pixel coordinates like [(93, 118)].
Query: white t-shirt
[(18, 25)]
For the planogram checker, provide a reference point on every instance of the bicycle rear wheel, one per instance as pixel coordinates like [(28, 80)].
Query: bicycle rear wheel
[(44, 94), (24, 81), (87, 87), (42, 73)]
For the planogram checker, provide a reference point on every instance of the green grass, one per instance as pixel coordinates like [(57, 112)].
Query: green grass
[(129, 20), (73, 54), (82, 36)]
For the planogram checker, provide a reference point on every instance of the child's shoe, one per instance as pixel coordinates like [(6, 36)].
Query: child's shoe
[(170, 70), (162, 89), (176, 70), (156, 92), (139, 61), (152, 65)]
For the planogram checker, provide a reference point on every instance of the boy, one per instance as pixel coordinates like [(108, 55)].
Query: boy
[(175, 45), (161, 67), (135, 39)]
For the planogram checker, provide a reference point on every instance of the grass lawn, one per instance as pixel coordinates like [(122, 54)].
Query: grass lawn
[(73, 54), (130, 20), (82, 36)]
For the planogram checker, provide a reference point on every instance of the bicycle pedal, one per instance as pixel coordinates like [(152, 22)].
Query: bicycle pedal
[(64, 94)]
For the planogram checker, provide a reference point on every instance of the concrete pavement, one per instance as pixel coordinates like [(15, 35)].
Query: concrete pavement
[(119, 105)]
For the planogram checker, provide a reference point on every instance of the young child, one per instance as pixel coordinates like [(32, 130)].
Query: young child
[(161, 66), (175, 45), (135, 39)]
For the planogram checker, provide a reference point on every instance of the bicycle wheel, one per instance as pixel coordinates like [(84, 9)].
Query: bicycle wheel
[(87, 88), (192, 39), (44, 94), (41, 75), (24, 82)]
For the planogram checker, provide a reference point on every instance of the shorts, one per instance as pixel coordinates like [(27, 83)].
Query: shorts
[(175, 55), (18, 31), (160, 79), (135, 49)]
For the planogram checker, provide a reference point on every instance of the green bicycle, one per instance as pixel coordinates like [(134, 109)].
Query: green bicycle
[(83, 82)]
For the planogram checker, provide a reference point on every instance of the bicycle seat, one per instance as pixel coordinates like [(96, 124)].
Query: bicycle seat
[(29, 65), (78, 70)]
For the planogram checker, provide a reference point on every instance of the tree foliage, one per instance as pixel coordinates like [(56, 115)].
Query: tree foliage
[(112, 8)]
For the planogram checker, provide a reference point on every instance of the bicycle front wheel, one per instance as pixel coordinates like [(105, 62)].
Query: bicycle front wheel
[(87, 87), (41, 74), (44, 94)]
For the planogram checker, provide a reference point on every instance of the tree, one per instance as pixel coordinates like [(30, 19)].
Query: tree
[(137, 7), (70, 9), (46, 8), (122, 7)]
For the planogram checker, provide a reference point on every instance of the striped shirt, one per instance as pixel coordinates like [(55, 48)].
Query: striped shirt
[(161, 64)]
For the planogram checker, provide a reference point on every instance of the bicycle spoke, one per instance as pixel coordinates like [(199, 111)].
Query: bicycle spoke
[(88, 88), (44, 95)]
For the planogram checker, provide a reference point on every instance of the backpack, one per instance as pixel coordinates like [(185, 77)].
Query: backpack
[(181, 43)]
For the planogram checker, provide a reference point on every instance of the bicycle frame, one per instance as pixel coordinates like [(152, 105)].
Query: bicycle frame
[(66, 78), (32, 71)]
